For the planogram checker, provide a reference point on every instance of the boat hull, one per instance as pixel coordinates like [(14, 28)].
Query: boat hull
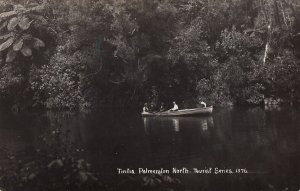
[(183, 112)]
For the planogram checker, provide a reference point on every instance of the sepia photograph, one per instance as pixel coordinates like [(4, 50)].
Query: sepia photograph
[(149, 95)]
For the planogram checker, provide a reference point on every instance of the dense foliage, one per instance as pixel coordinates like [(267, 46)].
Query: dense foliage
[(87, 53)]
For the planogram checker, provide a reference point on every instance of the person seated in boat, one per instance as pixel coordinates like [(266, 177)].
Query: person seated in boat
[(152, 107), (162, 107), (203, 103), (145, 108), (175, 107)]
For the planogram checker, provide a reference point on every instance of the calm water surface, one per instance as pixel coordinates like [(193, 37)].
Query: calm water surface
[(264, 142)]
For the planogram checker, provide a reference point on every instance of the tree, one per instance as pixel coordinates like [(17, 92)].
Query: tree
[(17, 31)]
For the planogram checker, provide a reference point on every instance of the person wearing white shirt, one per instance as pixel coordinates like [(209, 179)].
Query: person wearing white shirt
[(145, 108), (175, 107)]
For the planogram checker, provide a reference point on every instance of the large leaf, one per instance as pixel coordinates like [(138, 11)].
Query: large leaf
[(56, 163), (18, 45), (26, 51), (7, 14), (38, 9), (25, 23), (13, 22), (3, 25), (37, 43), (11, 55), (26, 36), (83, 176), (19, 7), (6, 44), (39, 18), (3, 37)]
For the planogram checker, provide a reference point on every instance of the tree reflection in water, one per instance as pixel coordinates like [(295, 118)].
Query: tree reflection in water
[(253, 138), (204, 123)]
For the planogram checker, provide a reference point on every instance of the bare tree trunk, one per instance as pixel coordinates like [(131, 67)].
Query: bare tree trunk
[(276, 14), (267, 47), (266, 53), (283, 15), (264, 10)]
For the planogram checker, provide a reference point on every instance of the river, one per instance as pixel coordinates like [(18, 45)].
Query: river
[(261, 147)]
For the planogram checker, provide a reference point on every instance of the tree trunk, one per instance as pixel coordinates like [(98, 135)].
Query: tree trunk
[(276, 14)]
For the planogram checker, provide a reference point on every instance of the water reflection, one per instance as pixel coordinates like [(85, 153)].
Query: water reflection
[(252, 138), (176, 124), (203, 123), (146, 124)]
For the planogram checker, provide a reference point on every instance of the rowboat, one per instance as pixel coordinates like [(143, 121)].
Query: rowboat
[(182, 112)]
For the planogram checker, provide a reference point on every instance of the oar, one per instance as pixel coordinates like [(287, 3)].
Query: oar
[(161, 112), (156, 114)]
